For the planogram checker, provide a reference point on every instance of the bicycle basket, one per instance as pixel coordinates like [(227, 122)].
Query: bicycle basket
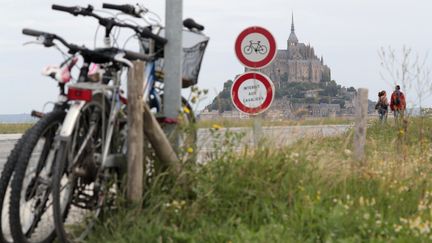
[(194, 46)]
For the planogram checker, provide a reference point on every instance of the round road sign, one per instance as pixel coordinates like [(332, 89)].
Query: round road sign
[(252, 93), (255, 47)]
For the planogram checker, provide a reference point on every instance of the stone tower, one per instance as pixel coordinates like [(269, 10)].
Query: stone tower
[(297, 63)]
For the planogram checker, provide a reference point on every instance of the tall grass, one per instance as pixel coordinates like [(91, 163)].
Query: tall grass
[(6, 128), (312, 191)]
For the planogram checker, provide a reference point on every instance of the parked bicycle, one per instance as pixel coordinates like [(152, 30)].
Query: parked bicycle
[(33, 148), (70, 165)]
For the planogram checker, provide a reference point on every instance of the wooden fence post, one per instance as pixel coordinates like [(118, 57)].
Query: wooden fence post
[(161, 145), (360, 124), (135, 133)]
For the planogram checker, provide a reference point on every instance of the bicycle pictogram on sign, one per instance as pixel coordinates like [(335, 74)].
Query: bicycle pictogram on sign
[(255, 47)]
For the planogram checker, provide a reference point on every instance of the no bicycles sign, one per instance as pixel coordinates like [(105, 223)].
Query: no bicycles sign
[(255, 47), (252, 93)]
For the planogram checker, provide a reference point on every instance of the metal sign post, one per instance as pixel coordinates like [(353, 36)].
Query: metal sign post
[(173, 61), (253, 92)]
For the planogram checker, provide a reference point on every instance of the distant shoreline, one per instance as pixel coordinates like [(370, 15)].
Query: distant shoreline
[(17, 119)]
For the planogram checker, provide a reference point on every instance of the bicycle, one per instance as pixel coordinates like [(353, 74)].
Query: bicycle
[(256, 47), (27, 146), (152, 94), (89, 147)]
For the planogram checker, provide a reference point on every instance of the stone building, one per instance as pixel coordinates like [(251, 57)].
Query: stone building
[(298, 63)]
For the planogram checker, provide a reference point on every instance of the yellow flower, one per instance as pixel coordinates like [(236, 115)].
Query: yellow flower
[(190, 150), (216, 126), (186, 110)]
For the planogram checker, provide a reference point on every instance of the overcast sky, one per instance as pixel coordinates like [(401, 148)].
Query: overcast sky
[(347, 33)]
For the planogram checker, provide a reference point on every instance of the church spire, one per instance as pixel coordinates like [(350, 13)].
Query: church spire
[(292, 40), (292, 21)]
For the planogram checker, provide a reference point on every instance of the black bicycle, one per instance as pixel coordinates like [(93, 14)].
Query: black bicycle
[(256, 47), (25, 171)]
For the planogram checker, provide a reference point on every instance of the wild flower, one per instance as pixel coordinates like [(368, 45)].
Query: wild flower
[(294, 155), (361, 201), (189, 150), (186, 110), (347, 152), (397, 227), (366, 216), (216, 126), (422, 206)]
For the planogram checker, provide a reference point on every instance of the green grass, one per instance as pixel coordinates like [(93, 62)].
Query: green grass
[(312, 191), (249, 122), (14, 128)]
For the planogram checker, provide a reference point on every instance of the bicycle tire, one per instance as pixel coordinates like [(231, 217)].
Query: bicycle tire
[(62, 168), (5, 184), (247, 50), (45, 124), (262, 50)]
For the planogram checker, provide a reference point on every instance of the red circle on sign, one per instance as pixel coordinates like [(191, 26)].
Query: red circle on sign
[(271, 52), (235, 92)]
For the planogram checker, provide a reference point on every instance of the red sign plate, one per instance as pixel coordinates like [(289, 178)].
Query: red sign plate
[(255, 47), (252, 93)]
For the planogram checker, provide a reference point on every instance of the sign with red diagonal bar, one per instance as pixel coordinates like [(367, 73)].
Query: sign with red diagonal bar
[(255, 47), (252, 93)]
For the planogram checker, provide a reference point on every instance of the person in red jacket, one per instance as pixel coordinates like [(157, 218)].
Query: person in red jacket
[(398, 103)]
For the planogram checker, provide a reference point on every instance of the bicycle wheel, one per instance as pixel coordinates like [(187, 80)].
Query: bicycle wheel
[(247, 50), (31, 202), (78, 180), (262, 49), (5, 188)]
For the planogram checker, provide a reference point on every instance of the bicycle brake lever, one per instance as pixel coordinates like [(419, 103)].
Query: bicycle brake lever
[(32, 42), (120, 58), (140, 9)]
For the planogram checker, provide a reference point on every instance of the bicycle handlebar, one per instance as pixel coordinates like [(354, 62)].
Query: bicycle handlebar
[(72, 10), (98, 56), (34, 32), (125, 8), (110, 22)]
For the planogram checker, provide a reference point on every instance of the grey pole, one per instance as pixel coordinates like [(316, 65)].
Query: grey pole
[(173, 58)]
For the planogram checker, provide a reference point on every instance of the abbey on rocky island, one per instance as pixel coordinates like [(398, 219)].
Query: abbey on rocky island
[(298, 63)]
